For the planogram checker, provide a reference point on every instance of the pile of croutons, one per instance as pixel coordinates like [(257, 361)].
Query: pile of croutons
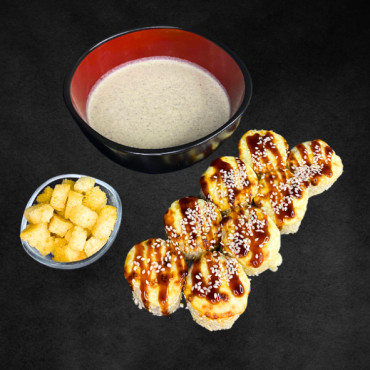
[(71, 221)]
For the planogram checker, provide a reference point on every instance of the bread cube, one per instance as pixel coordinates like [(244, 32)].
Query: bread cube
[(63, 253), (47, 247), (95, 199), (74, 199), (84, 184), (59, 226), (68, 181), (83, 216), (68, 235), (105, 223), (38, 236), (59, 196), (72, 255), (59, 242), (39, 213), (78, 238), (45, 196), (59, 254), (93, 245), (60, 213)]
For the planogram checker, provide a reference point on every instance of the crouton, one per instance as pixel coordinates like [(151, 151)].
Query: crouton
[(74, 199), (84, 184), (59, 196), (70, 182), (39, 213), (78, 238), (38, 236), (83, 216), (59, 226), (72, 255), (45, 196), (105, 223), (95, 199), (93, 245)]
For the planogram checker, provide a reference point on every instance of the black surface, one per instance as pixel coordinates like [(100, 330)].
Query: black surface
[(311, 80)]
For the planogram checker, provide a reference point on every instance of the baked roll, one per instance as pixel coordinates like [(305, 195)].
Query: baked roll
[(283, 197), (216, 291), (229, 183), (156, 271), (193, 225), (315, 162), (264, 151), (251, 236)]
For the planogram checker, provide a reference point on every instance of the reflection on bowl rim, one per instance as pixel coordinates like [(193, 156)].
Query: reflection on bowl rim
[(31, 251), (163, 151)]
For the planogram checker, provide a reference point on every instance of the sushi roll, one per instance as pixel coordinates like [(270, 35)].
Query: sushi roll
[(264, 151), (229, 183), (251, 236), (193, 225), (283, 197), (216, 291), (316, 162), (156, 272)]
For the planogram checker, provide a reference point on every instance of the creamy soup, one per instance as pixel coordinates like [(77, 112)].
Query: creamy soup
[(157, 103)]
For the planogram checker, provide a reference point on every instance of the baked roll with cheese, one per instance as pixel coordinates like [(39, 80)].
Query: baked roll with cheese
[(216, 291), (156, 271), (229, 183), (251, 236), (316, 162), (283, 197), (264, 151), (193, 225)]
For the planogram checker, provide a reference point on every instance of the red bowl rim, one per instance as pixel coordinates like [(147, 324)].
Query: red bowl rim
[(163, 151)]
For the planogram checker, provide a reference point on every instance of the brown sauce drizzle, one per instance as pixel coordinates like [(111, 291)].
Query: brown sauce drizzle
[(241, 168), (304, 153), (327, 169), (323, 160), (185, 204), (139, 252), (212, 291), (257, 239), (236, 286), (190, 203), (231, 186), (232, 190), (282, 196), (255, 145), (163, 280), (163, 277)]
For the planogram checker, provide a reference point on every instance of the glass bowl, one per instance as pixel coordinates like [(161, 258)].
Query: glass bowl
[(161, 41), (113, 199)]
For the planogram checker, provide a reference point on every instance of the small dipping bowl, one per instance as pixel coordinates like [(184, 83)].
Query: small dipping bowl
[(131, 45), (113, 199)]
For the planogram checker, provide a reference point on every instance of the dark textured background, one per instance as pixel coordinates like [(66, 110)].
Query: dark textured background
[(311, 80)]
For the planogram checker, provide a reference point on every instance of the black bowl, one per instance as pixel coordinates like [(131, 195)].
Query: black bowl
[(225, 65)]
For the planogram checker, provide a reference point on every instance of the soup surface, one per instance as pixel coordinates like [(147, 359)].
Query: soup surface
[(157, 103)]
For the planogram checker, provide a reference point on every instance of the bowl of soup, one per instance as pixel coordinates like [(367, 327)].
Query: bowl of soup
[(158, 99)]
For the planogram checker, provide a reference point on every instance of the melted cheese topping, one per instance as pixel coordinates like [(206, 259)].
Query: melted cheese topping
[(263, 150), (316, 163), (283, 197), (229, 183), (193, 224), (158, 270), (217, 287), (249, 235)]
